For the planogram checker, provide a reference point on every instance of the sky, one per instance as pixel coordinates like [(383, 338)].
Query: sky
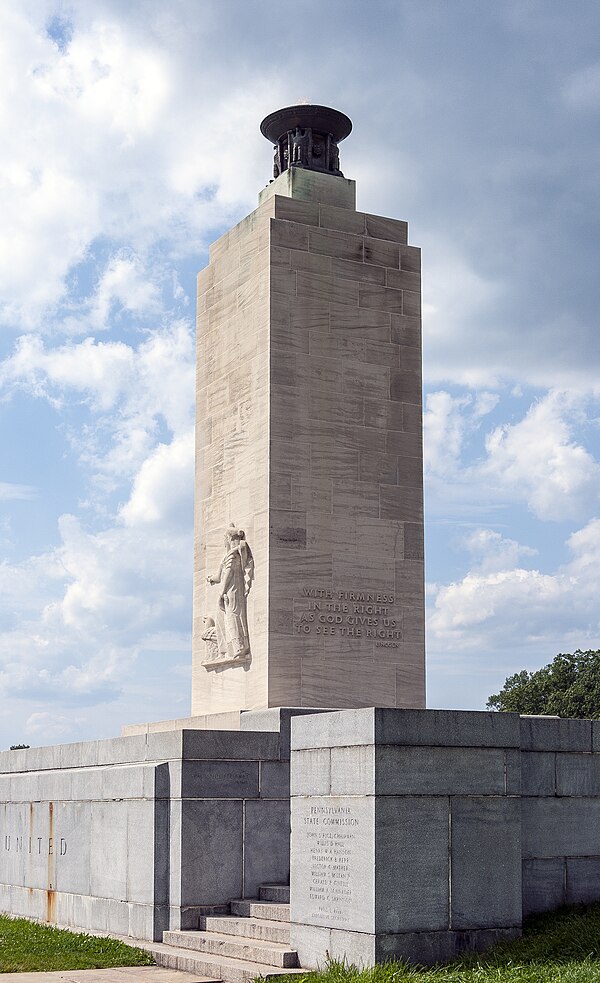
[(130, 141)]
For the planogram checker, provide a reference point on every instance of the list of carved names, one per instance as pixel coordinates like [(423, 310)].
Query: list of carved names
[(332, 842)]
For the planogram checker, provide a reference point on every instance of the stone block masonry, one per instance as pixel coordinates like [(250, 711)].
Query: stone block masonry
[(414, 833), (560, 795), (309, 438), (420, 834), (138, 835)]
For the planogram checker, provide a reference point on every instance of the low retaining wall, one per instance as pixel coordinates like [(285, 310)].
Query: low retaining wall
[(415, 833), (560, 812), (140, 834), (424, 833)]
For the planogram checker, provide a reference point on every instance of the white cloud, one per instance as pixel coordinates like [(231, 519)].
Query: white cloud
[(162, 490), (123, 282), (45, 728), (514, 607), (127, 391), (485, 402), (110, 83), (10, 490), (497, 608), (506, 601), (101, 370), (493, 552), (448, 422), (122, 581), (457, 299), (444, 426), (537, 459), (26, 586), (111, 150), (88, 683), (585, 547), (83, 611), (77, 618)]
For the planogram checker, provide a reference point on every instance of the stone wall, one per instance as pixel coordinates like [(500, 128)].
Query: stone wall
[(560, 808), (415, 833), (423, 833), (140, 834)]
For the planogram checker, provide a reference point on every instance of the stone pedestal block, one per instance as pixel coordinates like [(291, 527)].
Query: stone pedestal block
[(406, 834)]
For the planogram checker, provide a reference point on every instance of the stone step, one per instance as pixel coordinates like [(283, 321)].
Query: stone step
[(248, 928), (249, 950), (274, 892), (253, 908), (214, 967)]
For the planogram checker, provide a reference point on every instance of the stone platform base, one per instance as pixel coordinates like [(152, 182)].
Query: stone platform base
[(205, 721), (142, 834), (414, 833), (421, 834), (421, 948), (268, 719)]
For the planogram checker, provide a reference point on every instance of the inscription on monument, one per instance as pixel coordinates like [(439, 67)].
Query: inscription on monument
[(331, 839), (370, 614), (35, 844), (330, 857)]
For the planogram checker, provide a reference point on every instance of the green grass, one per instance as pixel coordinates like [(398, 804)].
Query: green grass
[(29, 947), (562, 947)]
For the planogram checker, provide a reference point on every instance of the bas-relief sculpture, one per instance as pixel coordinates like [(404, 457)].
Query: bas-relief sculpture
[(226, 635), (209, 635)]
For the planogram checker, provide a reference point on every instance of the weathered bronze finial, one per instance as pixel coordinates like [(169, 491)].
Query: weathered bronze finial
[(306, 136)]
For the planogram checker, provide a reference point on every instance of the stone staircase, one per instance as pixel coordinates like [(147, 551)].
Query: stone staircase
[(253, 940)]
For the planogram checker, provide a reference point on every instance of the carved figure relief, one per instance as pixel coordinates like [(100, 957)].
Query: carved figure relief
[(334, 159), (300, 143), (318, 149), (228, 630), (302, 147), (209, 635), (280, 160)]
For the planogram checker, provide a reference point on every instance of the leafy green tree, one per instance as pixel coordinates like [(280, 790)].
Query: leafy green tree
[(568, 687)]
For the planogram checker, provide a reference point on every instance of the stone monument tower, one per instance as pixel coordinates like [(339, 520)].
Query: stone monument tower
[(308, 586)]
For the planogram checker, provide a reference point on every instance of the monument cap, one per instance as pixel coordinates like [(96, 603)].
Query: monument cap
[(306, 136), (323, 119)]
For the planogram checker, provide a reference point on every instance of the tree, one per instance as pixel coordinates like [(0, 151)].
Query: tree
[(568, 687)]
